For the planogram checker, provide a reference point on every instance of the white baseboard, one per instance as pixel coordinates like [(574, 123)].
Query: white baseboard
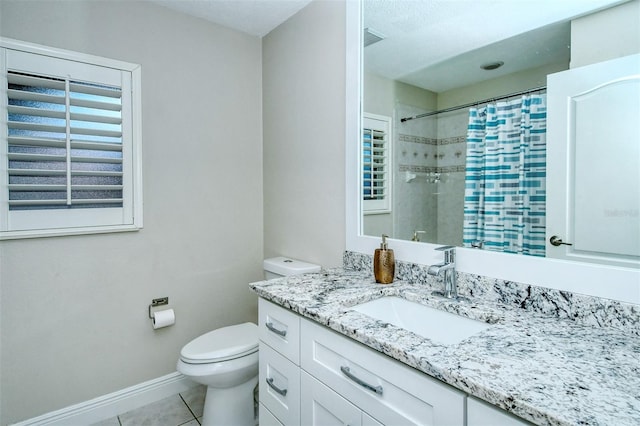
[(115, 403)]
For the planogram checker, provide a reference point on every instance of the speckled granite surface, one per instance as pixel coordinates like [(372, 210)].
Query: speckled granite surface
[(541, 366), (582, 309)]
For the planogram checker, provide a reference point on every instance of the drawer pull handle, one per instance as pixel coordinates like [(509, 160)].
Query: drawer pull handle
[(270, 326), (282, 392), (347, 372)]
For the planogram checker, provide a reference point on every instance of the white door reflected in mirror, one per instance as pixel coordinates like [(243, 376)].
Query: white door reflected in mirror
[(594, 162)]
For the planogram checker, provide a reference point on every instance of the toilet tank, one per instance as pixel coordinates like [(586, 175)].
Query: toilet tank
[(281, 266)]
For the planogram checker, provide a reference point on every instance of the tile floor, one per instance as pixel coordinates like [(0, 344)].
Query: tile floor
[(183, 409)]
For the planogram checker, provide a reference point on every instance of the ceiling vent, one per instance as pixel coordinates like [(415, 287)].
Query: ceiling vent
[(371, 36)]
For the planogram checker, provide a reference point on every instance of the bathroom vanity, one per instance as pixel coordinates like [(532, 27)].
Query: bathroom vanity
[(323, 362)]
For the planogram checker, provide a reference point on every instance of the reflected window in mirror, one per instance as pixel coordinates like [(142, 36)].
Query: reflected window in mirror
[(376, 164)]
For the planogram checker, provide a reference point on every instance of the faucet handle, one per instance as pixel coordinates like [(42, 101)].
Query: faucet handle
[(416, 236), (449, 253)]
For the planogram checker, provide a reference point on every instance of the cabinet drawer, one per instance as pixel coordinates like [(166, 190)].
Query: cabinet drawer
[(280, 329), (279, 381), (480, 413), (389, 391), (266, 418), (320, 406)]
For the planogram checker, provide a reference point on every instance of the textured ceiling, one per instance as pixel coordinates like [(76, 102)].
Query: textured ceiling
[(434, 44), (255, 17), (440, 44)]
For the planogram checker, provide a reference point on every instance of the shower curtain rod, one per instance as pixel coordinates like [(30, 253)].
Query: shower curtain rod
[(428, 114)]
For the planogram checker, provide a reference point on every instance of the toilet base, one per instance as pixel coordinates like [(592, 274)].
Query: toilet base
[(231, 406)]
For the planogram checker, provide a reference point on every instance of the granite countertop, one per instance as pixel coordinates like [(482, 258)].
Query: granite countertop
[(544, 369)]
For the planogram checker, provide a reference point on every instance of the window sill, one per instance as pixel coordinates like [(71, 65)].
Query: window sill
[(62, 232), (372, 212)]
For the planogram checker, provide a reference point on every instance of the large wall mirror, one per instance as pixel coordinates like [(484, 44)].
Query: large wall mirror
[(425, 68)]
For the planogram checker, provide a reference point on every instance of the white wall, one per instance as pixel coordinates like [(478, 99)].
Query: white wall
[(303, 81), (74, 309), (499, 86), (610, 34)]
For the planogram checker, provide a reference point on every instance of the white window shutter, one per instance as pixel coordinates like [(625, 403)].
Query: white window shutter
[(67, 147), (376, 164), (64, 144)]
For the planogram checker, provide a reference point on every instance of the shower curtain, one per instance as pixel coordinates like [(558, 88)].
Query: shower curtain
[(504, 202)]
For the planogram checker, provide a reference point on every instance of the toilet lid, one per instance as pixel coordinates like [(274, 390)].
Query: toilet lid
[(222, 344)]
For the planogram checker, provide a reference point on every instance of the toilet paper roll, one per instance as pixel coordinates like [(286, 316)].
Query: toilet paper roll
[(163, 318)]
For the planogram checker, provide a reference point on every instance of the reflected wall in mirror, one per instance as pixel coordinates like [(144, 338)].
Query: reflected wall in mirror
[(430, 65)]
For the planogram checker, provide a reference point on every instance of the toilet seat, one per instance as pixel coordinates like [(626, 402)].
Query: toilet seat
[(222, 344)]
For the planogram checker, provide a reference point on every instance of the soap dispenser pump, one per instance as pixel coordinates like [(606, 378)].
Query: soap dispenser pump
[(384, 263)]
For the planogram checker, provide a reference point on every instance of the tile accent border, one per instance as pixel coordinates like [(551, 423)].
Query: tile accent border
[(452, 140), (417, 139), (431, 141), (417, 169), (452, 169), (581, 309), (430, 169), (413, 168)]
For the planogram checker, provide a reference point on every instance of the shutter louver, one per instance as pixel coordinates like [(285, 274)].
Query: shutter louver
[(374, 164), (376, 176), (64, 143)]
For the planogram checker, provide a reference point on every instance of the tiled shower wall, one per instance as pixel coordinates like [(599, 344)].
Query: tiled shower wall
[(415, 151), (452, 150), (434, 150)]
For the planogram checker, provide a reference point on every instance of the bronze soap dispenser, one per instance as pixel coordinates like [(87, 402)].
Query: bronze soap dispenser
[(384, 263)]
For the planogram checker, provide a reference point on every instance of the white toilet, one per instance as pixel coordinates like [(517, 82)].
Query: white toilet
[(284, 266), (226, 360)]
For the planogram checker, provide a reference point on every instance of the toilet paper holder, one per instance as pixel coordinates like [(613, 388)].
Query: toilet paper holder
[(158, 302)]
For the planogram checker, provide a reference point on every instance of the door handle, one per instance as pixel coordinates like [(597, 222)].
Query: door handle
[(557, 241)]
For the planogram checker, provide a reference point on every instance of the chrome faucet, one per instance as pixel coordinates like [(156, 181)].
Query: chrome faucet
[(448, 268)]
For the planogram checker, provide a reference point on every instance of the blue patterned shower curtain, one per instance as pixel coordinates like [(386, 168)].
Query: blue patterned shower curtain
[(504, 202)]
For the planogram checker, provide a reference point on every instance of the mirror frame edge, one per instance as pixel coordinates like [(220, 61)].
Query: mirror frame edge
[(610, 282)]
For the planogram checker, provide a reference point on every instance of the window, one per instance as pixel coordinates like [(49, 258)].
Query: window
[(70, 143), (376, 164)]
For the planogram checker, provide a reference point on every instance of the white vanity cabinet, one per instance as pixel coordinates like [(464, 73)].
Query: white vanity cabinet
[(311, 375), (279, 366), (385, 389), (280, 329), (279, 384), (479, 413), (322, 406)]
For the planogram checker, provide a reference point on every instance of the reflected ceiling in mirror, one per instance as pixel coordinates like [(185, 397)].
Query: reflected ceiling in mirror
[(439, 45)]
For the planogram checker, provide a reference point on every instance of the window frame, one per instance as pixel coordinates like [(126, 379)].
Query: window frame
[(84, 220)]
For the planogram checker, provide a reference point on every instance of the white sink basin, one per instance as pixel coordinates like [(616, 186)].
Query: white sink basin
[(434, 324)]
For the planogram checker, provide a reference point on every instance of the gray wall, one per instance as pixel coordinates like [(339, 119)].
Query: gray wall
[(303, 79), (74, 320)]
